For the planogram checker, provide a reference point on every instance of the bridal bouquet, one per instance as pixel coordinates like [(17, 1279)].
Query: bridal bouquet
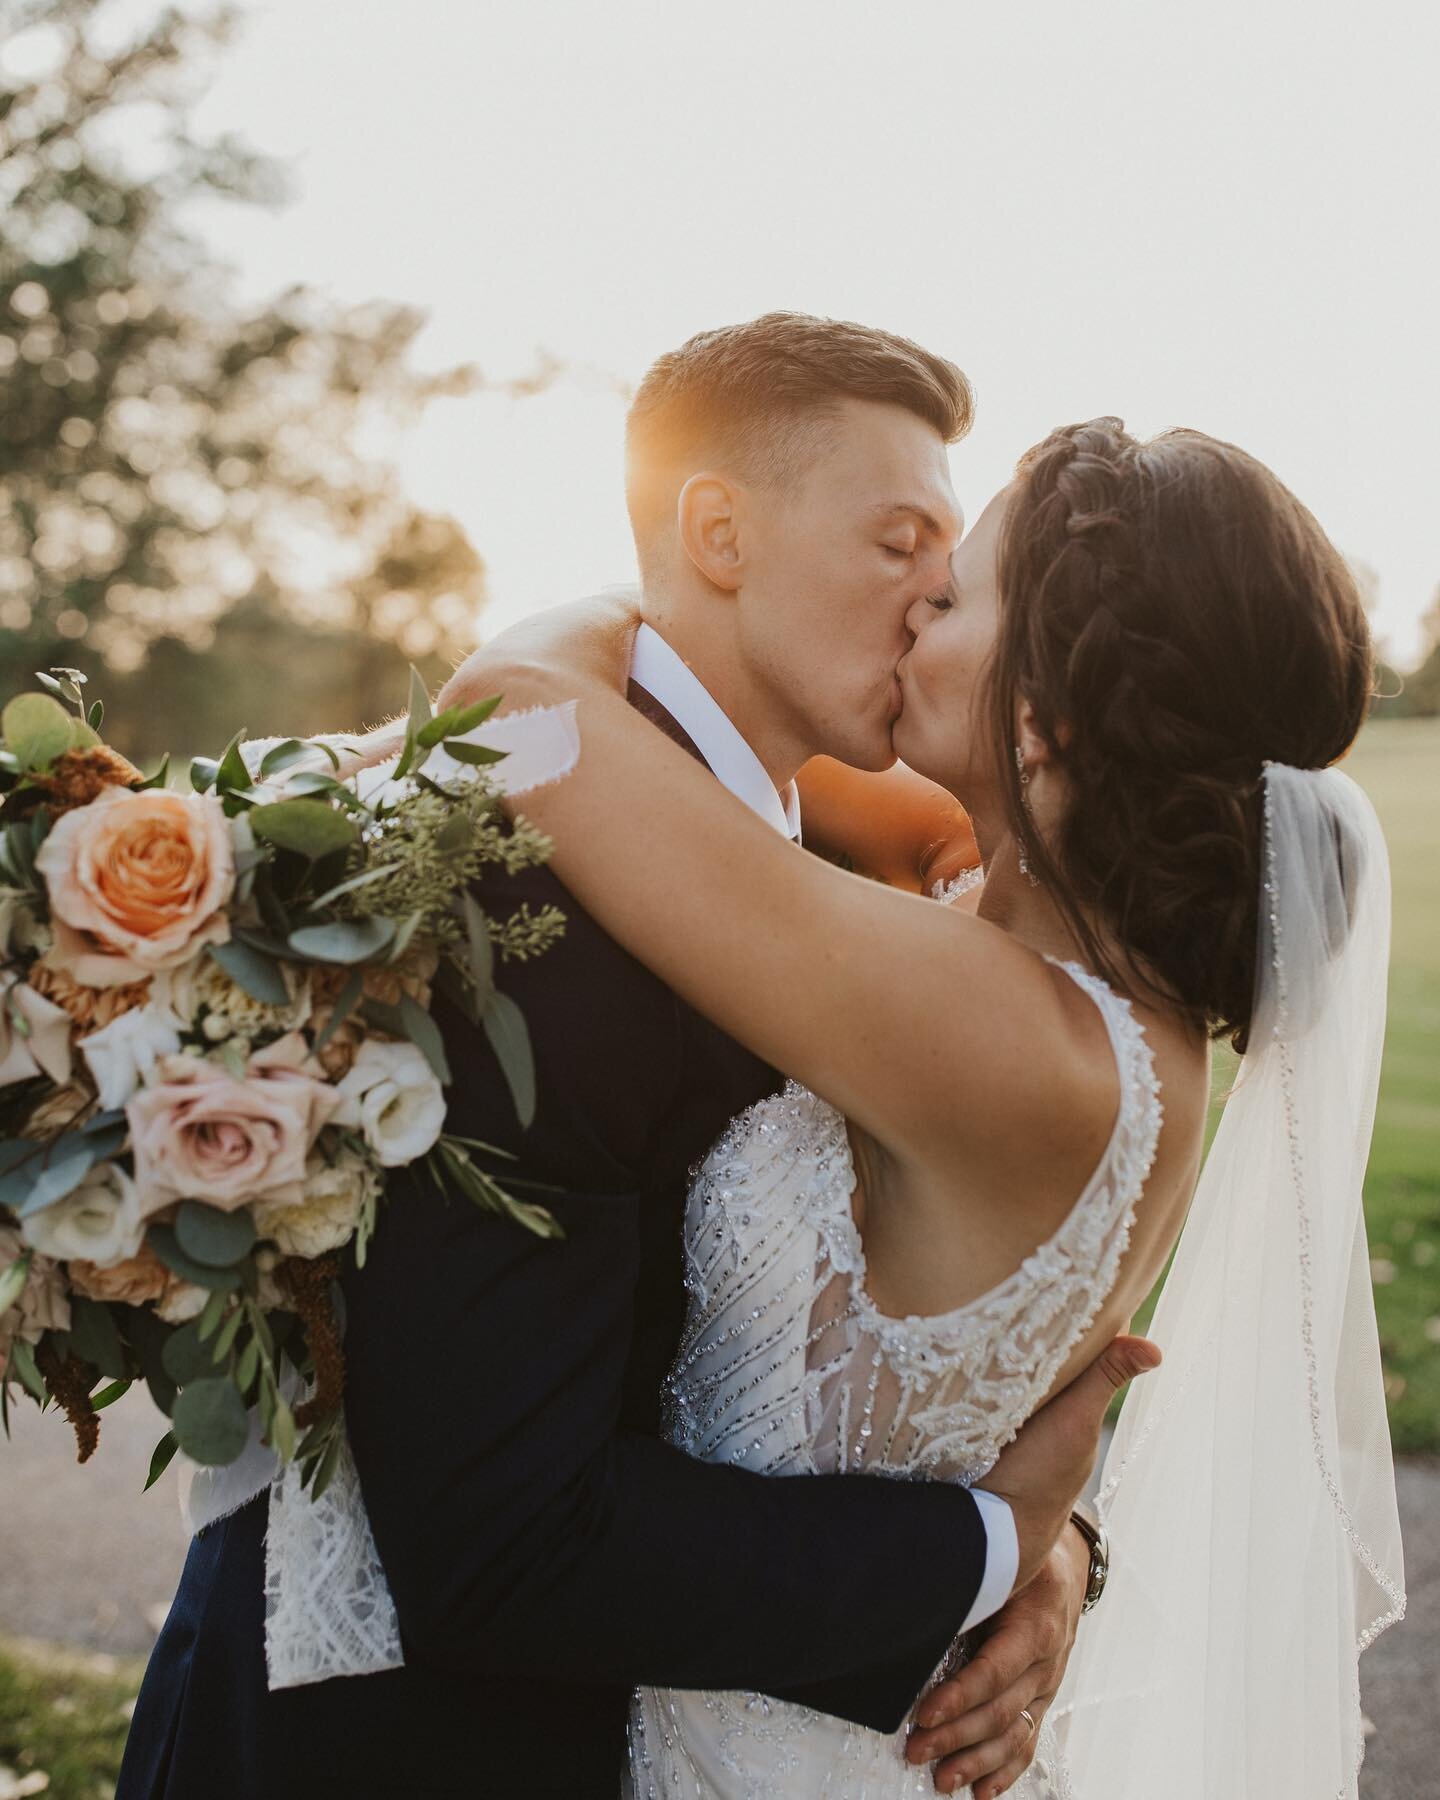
[(215, 1042)]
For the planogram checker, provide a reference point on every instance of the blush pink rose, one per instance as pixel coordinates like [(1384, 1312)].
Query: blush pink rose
[(200, 1134), (138, 882)]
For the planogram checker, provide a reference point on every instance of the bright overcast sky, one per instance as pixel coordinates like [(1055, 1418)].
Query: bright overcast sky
[(1219, 215)]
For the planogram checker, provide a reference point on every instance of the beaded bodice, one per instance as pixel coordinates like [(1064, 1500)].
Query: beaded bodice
[(786, 1364)]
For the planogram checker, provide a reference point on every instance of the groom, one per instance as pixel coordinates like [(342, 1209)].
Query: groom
[(503, 1393)]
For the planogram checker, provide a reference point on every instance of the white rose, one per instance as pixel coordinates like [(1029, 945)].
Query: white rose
[(123, 1053), (186, 1300), (201, 986), (99, 1221), (393, 1096), (34, 1034), (326, 1216)]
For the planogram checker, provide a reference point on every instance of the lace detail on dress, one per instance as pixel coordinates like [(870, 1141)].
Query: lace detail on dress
[(964, 883), (786, 1366), (328, 1610)]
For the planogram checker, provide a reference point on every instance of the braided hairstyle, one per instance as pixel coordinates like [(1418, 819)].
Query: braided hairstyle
[(1175, 618)]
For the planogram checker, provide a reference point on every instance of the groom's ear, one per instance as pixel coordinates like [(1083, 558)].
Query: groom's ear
[(708, 515)]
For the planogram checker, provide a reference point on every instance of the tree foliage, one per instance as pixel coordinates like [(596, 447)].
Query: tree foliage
[(167, 453)]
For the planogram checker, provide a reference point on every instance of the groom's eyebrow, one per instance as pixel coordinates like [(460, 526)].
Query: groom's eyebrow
[(895, 508)]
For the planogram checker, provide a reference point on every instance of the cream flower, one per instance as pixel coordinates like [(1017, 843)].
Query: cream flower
[(200, 1133), (183, 1300), (42, 1305), (124, 1052), (99, 1220), (327, 1214), (202, 988), (40, 1045), (393, 1096), (137, 883)]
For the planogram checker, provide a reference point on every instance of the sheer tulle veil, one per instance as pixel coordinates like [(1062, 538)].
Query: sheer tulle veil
[(1249, 1489)]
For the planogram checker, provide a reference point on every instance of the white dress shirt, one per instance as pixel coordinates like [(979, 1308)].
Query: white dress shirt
[(658, 669)]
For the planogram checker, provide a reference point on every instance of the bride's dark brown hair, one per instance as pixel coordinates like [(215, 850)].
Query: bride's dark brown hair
[(1176, 618)]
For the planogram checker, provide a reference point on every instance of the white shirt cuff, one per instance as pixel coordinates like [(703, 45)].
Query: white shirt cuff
[(1002, 1557)]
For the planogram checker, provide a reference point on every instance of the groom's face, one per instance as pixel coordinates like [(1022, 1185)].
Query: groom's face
[(832, 567)]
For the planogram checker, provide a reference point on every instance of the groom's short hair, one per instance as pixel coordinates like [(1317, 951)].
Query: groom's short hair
[(754, 399)]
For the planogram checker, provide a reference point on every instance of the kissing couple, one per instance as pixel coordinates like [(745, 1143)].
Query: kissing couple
[(864, 1170)]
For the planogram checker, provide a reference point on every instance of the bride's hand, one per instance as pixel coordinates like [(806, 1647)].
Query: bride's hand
[(588, 642)]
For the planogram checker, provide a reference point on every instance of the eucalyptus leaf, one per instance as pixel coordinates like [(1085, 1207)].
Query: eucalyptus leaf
[(36, 729), (211, 1422), (217, 1239), (60, 1168), (423, 1032), (109, 1395), (505, 1027), (248, 1365), (94, 1337), (161, 1458), (363, 879), (404, 932), (203, 770), (477, 755), (344, 940), (329, 1462), (344, 1005), (482, 954), (248, 968), (232, 772), (186, 1356), (310, 828), (283, 756), (161, 777), (162, 1240), (96, 715), (468, 717)]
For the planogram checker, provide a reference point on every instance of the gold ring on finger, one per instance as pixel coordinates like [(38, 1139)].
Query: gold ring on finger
[(1029, 1718)]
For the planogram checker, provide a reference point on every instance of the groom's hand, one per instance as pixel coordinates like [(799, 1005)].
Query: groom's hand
[(973, 1722), (1044, 1470), (972, 1727)]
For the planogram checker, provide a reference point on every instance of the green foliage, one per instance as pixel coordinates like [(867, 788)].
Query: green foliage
[(160, 436), (65, 1714)]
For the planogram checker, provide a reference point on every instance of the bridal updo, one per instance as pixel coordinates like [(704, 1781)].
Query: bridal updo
[(1176, 619)]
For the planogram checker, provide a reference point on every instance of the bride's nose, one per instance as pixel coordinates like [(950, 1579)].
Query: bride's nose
[(917, 615)]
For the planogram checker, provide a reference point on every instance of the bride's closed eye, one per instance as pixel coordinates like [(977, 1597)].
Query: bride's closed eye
[(942, 602)]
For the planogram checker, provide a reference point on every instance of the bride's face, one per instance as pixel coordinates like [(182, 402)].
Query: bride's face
[(942, 731)]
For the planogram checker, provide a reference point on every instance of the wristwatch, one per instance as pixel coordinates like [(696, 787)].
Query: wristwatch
[(1087, 1522)]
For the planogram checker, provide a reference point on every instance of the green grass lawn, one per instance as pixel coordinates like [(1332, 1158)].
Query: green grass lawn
[(63, 1716), (1397, 762)]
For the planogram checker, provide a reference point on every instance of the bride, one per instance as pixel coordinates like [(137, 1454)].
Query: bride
[(1146, 663)]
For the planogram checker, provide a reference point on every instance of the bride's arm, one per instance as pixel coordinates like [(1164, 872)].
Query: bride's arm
[(898, 827), (889, 1006)]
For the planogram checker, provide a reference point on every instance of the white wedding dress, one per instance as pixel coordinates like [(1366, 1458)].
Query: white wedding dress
[(787, 1367)]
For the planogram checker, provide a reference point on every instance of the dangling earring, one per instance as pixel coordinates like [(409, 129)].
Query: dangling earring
[(1025, 869)]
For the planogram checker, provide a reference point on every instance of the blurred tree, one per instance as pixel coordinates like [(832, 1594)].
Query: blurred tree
[(1415, 695), (166, 452)]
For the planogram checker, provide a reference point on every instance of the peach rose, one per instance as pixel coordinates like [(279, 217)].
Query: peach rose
[(139, 1278), (137, 883), (198, 1133)]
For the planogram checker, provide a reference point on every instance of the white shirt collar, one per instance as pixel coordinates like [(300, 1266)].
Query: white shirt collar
[(659, 670)]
